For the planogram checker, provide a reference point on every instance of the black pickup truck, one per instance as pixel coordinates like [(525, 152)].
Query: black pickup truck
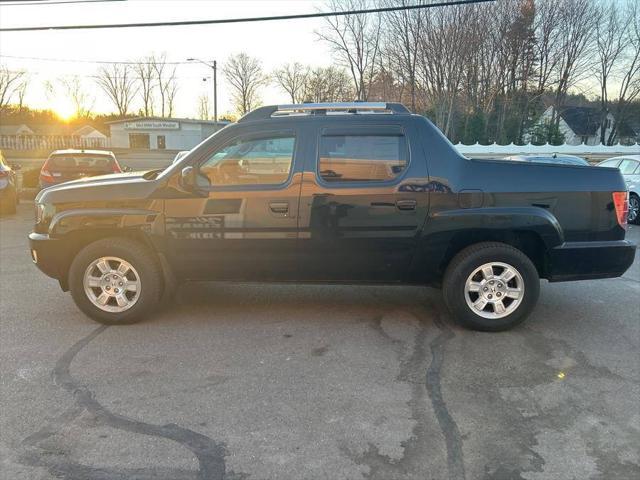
[(352, 193)]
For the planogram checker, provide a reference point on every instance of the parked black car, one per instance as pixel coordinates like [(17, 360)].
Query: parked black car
[(8, 188), (353, 193), (65, 165)]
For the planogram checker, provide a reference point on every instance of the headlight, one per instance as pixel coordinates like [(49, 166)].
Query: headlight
[(39, 212)]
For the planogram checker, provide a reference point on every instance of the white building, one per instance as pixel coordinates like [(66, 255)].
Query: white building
[(581, 125), (161, 133), (91, 136), (50, 136)]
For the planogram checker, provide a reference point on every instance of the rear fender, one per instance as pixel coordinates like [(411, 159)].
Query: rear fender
[(529, 219), (533, 229)]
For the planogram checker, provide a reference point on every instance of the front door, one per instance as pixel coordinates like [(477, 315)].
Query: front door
[(246, 226), (362, 204)]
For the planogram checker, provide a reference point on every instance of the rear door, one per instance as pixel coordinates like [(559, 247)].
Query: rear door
[(630, 170), (362, 203), (245, 228)]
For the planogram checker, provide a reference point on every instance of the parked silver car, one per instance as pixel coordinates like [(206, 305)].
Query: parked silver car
[(629, 166), (551, 158)]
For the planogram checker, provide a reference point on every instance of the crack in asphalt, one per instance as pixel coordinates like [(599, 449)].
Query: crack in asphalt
[(412, 371), (209, 453), (449, 427)]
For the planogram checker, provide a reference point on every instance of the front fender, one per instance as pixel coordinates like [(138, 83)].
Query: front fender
[(70, 230), (67, 222)]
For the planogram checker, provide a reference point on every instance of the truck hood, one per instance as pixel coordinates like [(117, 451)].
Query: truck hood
[(123, 186)]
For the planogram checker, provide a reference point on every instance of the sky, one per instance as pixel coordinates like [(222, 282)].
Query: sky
[(274, 43)]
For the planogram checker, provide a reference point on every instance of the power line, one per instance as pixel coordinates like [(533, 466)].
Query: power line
[(244, 20), (18, 3), (94, 76), (107, 62)]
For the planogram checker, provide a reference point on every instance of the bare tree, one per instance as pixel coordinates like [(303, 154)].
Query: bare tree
[(203, 107), (170, 87), (330, 84), (355, 39), (547, 26), (159, 67), (118, 82), (578, 19), (444, 55), (291, 78), (21, 91), (82, 102), (10, 82), (145, 72), (166, 82), (403, 30), (618, 50), (245, 76)]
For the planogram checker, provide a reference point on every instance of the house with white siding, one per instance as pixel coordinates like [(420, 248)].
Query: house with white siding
[(581, 125)]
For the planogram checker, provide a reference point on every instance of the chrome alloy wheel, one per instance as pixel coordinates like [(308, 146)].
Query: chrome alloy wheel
[(494, 290), (634, 209), (112, 284)]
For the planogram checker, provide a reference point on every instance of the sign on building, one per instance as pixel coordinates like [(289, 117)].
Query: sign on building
[(151, 125)]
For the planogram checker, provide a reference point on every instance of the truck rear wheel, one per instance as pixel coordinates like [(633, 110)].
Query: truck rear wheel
[(115, 281), (491, 286)]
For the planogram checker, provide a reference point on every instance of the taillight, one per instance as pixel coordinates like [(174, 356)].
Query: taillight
[(621, 203), (45, 174)]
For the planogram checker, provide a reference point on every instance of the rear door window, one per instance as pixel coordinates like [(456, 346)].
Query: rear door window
[(361, 157), (628, 166), (610, 163), (81, 163)]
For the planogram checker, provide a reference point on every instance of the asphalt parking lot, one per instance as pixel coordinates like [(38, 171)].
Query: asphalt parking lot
[(315, 382)]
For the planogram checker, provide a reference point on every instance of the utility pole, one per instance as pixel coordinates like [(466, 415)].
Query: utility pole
[(215, 92), (214, 66)]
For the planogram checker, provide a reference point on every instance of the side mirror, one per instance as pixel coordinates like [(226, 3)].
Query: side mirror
[(127, 169), (188, 178)]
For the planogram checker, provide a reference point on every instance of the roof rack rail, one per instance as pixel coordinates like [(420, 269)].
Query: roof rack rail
[(263, 113)]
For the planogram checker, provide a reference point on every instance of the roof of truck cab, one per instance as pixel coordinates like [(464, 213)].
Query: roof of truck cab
[(326, 111)]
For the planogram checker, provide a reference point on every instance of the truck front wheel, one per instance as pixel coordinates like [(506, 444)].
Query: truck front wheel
[(115, 281), (491, 286)]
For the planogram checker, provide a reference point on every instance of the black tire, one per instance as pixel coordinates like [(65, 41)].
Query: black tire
[(142, 261), (634, 198), (470, 259)]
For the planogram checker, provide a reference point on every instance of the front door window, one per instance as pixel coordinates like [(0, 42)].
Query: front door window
[(251, 161)]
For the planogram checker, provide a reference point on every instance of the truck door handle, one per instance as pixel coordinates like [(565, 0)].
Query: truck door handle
[(406, 204), (281, 208)]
